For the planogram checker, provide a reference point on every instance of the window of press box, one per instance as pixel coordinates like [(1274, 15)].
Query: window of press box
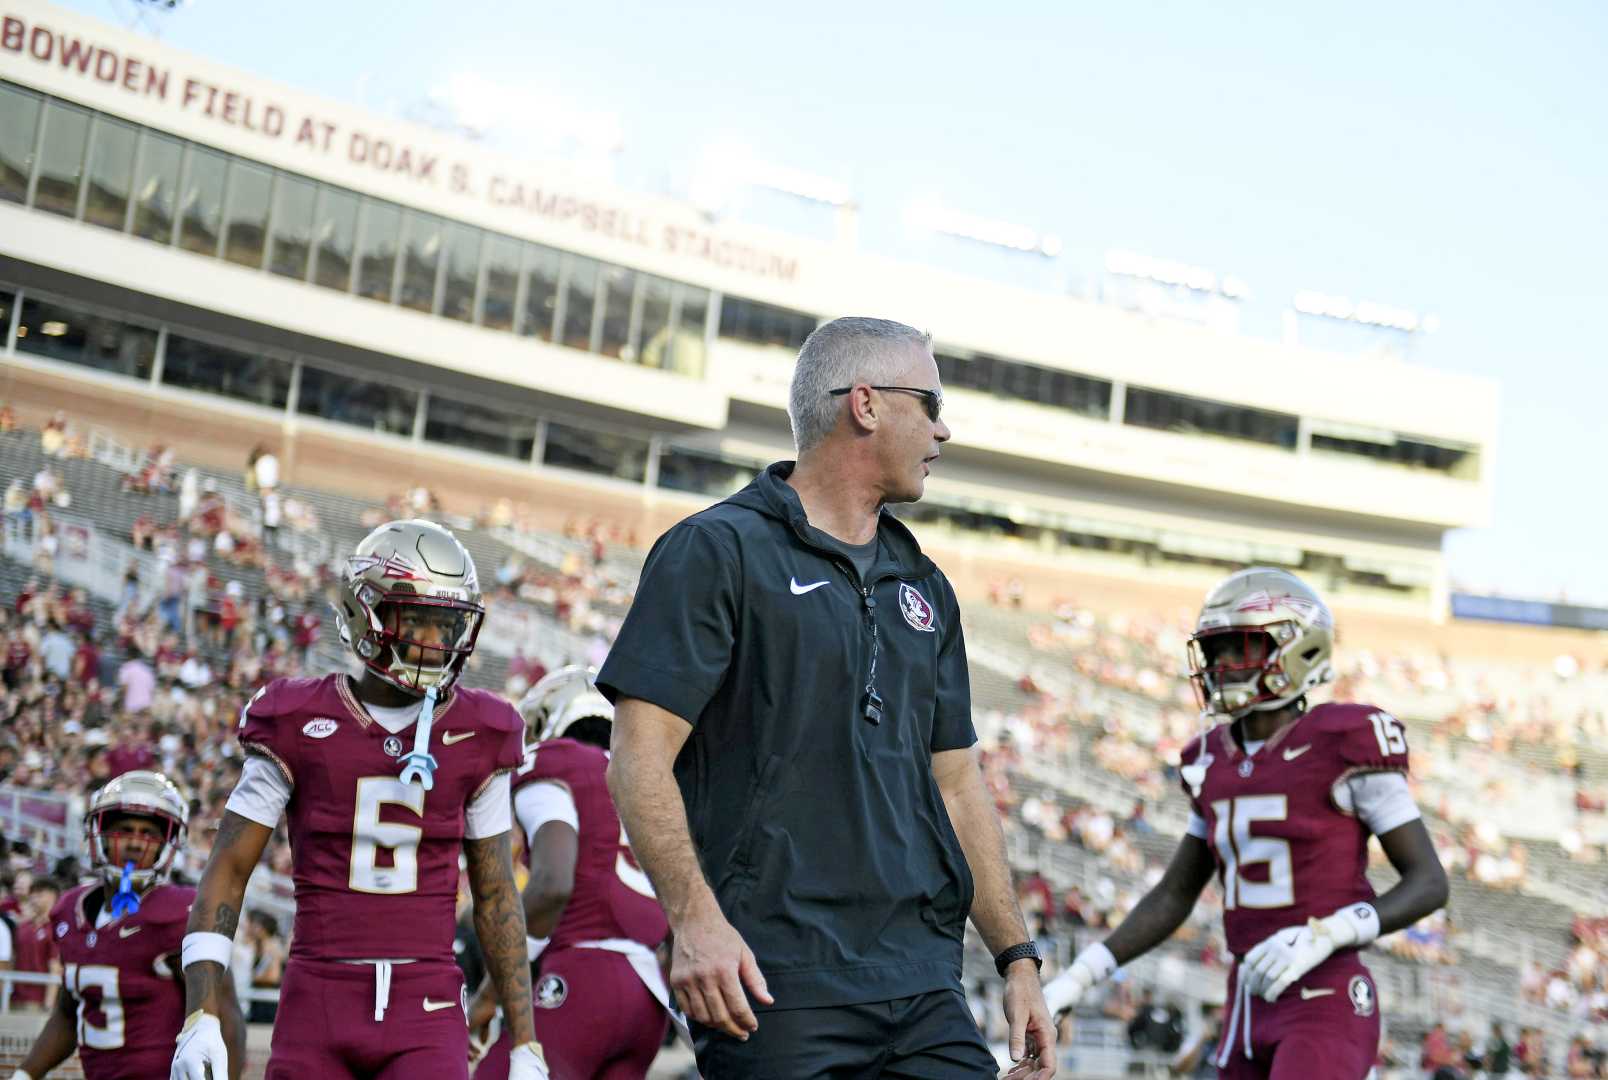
[(109, 173), (201, 201), (19, 124), (365, 403), (502, 283), (421, 260), (379, 232), (295, 201), (74, 335), (461, 272), (597, 452), (702, 473), (250, 190), (334, 238), (156, 186), (61, 159), (764, 324), (472, 426), (192, 364), (1163, 411)]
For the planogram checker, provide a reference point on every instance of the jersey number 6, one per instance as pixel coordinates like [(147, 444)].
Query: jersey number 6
[(370, 835)]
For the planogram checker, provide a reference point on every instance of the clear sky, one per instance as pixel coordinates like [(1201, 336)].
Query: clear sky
[(1446, 158)]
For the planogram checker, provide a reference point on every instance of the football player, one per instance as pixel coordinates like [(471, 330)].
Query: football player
[(119, 938), (385, 781), (586, 897), (1283, 800)]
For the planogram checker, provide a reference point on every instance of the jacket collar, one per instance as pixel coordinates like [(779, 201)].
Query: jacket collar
[(770, 494)]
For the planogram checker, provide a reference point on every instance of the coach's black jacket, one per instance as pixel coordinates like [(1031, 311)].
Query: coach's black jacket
[(824, 834)]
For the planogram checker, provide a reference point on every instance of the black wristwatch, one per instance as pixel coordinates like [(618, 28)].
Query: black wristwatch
[(1025, 951)]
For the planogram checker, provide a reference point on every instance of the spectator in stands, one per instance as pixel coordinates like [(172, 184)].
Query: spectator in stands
[(267, 963), (56, 649), (53, 436), (35, 947), (1438, 1053), (138, 683), (1194, 1058), (1498, 1055), (8, 419)]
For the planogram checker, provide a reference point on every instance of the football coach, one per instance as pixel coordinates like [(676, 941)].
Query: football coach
[(794, 759)]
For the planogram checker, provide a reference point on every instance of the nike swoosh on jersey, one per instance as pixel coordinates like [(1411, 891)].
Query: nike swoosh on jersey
[(1291, 755), (450, 737), (128, 931), (800, 590), (1308, 995), (437, 1006)]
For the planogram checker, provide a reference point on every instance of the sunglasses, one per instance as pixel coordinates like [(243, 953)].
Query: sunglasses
[(933, 399)]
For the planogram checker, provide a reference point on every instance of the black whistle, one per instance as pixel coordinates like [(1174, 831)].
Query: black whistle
[(873, 706)]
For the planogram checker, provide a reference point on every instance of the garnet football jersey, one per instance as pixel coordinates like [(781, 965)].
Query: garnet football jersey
[(124, 978), (1285, 852), (611, 898), (375, 861)]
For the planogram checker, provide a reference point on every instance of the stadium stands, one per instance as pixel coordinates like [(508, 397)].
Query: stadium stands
[(1082, 715)]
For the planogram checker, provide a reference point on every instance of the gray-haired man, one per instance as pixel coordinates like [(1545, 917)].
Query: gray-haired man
[(794, 722)]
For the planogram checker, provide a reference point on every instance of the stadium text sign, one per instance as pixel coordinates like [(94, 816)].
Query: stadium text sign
[(161, 86)]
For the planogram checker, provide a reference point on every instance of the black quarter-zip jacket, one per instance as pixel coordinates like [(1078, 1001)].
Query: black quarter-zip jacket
[(814, 812)]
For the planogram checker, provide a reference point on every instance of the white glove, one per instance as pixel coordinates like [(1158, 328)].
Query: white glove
[(20, 1075), (527, 1063), (1092, 965), (200, 1046), (1288, 954)]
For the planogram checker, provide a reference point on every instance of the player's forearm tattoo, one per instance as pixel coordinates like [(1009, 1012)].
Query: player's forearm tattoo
[(226, 920), (500, 924)]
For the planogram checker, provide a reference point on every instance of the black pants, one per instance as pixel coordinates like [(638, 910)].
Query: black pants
[(928, 1037)]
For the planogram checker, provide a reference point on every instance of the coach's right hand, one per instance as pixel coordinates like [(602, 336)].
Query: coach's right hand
[(709, 968)]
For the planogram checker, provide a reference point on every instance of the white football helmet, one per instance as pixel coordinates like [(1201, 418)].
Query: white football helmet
[(410, 605), (145, 794), (1263, 639), (560, 699)]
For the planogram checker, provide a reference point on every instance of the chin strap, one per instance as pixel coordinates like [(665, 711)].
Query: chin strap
[(420, 764), (125, 901)]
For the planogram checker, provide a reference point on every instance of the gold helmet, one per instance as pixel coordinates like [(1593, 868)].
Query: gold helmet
[(1263, 639), (561, 699), (410, 605), (135, 794)]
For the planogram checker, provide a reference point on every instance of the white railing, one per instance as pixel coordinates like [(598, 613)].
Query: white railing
[(84, 558), (311, 547), (50, 822), (510, 630)]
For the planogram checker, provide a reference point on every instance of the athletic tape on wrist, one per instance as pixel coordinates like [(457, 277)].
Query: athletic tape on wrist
[(199, 948), (1362, 920), (1098, 959)]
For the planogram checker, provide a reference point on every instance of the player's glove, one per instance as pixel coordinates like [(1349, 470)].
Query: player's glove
[(1288, 954), (527, 1063), (1092, 965), (200, 1047), (21, 1075)]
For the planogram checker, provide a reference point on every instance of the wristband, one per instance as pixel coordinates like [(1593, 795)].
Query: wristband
[(1098, 959), (1025, 951), (1353, 925), (204, 947)]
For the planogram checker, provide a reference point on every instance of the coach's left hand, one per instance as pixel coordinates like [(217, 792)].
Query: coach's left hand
[(1032, 1029)]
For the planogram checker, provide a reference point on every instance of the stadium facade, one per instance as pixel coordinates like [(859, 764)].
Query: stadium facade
[(174, 230)]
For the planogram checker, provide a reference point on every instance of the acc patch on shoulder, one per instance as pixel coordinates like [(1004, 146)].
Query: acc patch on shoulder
[(321, 728), (915, 608), (551, 990)]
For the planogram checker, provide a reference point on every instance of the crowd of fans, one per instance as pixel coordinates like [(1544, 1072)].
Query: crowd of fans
[(159, 683)]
